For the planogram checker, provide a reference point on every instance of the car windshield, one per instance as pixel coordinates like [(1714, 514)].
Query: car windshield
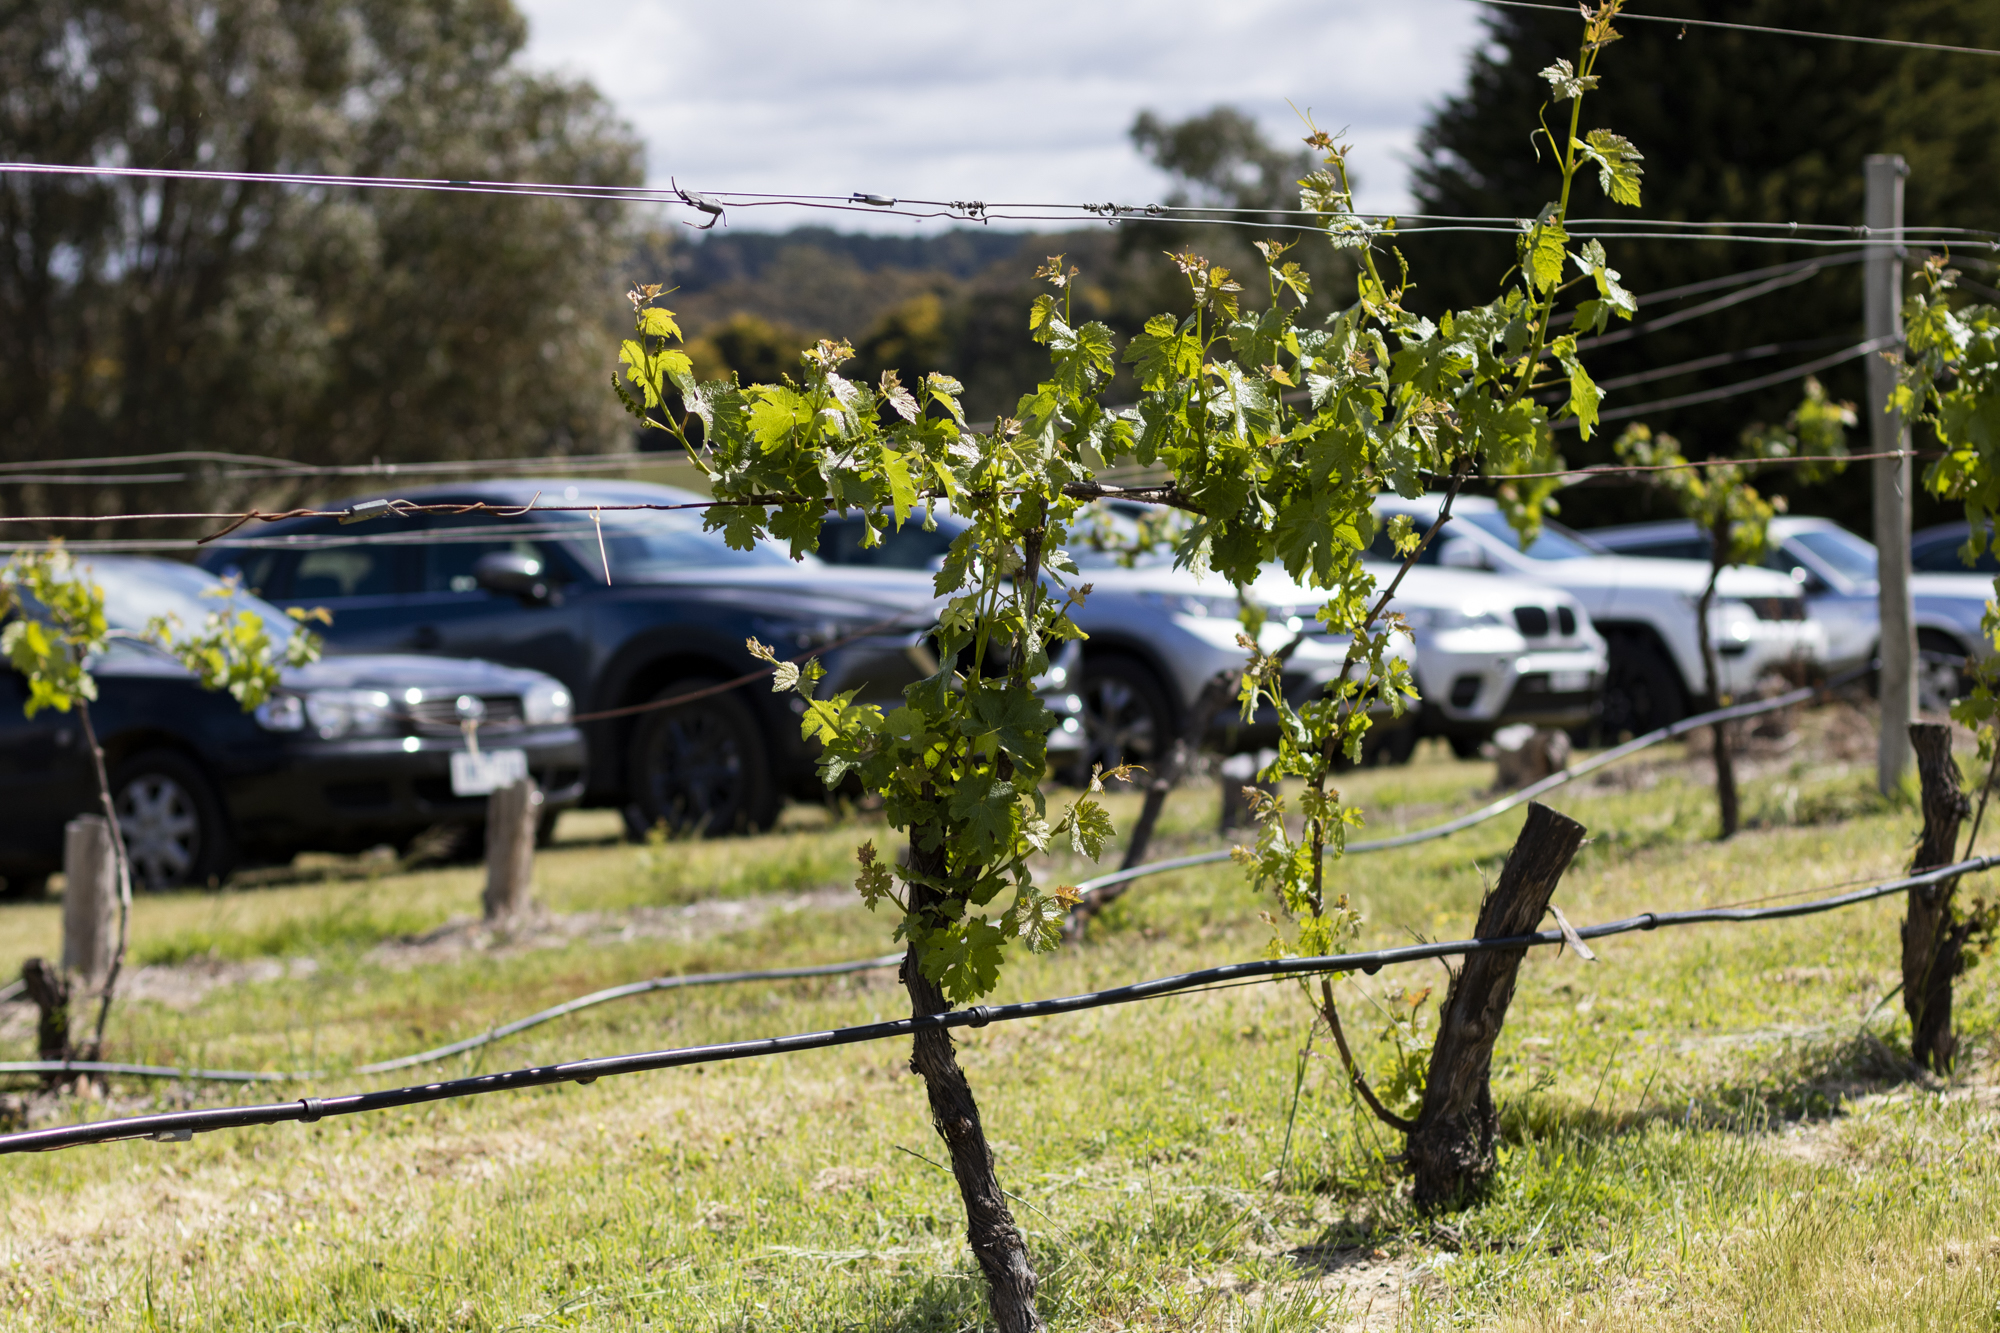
[(135, 593), (641, 542), (1847, 554), (1555, 542)]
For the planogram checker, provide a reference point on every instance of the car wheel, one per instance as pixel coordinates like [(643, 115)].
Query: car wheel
[(1642, 691), (172, 822), (1465, 747), (700, 768), (1126, 716), (1940, 671)]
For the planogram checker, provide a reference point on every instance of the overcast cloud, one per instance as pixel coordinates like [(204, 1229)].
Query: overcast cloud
[(1025, 101)]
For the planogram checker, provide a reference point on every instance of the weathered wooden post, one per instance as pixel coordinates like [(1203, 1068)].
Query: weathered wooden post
[(1450, 1148), (1933, 939), (511, 815), (90, 900)]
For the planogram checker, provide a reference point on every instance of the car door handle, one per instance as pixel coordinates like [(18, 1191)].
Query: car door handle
[(426, 638)]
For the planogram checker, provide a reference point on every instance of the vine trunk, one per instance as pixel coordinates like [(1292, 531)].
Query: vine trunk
[(996, 1241)]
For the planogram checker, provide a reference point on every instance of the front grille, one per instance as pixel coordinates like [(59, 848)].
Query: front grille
[(439, 717), (1566, 621), (1464, 690), (1533, 621), (1777, 608)]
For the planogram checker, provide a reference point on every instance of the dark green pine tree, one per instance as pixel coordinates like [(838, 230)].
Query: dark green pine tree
[(1734, 125)]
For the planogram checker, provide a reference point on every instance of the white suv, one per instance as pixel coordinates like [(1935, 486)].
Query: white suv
[(1492, 651), (1645, 609)]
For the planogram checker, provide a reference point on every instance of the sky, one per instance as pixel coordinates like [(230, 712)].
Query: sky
[(1027, 101)]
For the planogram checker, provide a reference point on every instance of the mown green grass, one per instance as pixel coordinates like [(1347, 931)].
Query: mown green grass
[(1700, 1132)]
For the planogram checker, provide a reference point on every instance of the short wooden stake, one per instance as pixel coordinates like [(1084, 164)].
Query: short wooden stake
[(1933, 939), (90, 900), (1450, 1151), (49, 990), (512, 813)]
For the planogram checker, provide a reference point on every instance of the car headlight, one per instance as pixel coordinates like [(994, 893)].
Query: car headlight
[(282, 712), (1450, 617), (334, 713), (546, 704)]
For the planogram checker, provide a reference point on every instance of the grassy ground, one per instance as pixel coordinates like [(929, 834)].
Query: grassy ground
[(1706, 1129)]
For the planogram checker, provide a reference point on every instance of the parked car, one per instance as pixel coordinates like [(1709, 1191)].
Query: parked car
[(352, 752), (653, 609), (1157, 635), (1644, 608), (1495, 651), (1835, 570), (1936, 551)]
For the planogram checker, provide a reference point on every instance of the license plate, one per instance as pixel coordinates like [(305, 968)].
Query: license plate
[(488, 771), (1567, 682)]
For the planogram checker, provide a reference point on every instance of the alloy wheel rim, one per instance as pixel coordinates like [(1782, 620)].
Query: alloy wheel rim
[(695, 772), (162, 829)]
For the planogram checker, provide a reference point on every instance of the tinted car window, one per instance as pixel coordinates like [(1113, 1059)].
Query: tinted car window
[(447, 559), (1682, 548), (1843, 551), (907, 548), (1939, 555), (1383, 548), (345, 571), (135, 593)]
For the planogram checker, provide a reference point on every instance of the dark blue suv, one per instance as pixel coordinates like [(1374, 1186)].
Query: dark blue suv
[(654, 609)]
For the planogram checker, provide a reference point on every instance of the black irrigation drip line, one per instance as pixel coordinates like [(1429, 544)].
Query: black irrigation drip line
[(1514, 800), (181, 1126), (1088, 887), (450, 1049)]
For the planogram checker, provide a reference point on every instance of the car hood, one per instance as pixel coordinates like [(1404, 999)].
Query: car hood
[(1638, 573), (402, 671), (1432, 586)]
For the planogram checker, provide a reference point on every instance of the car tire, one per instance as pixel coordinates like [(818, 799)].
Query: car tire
[(1464, 746), (1642, 690), (1940, 671), (1126, 716), (173, 825), (701, 769)]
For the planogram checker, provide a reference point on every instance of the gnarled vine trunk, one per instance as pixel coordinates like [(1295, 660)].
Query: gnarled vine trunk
[(1725, 763), (996, 1241), (1934, 937)]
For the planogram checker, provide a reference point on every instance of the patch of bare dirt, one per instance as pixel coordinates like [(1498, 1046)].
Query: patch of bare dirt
[(546, 930)]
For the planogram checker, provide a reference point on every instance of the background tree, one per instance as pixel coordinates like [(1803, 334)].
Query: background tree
[(337, 325), (1739, 126)]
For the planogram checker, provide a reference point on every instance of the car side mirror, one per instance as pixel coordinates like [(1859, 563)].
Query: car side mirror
[(1461, 553), (513, 575)]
